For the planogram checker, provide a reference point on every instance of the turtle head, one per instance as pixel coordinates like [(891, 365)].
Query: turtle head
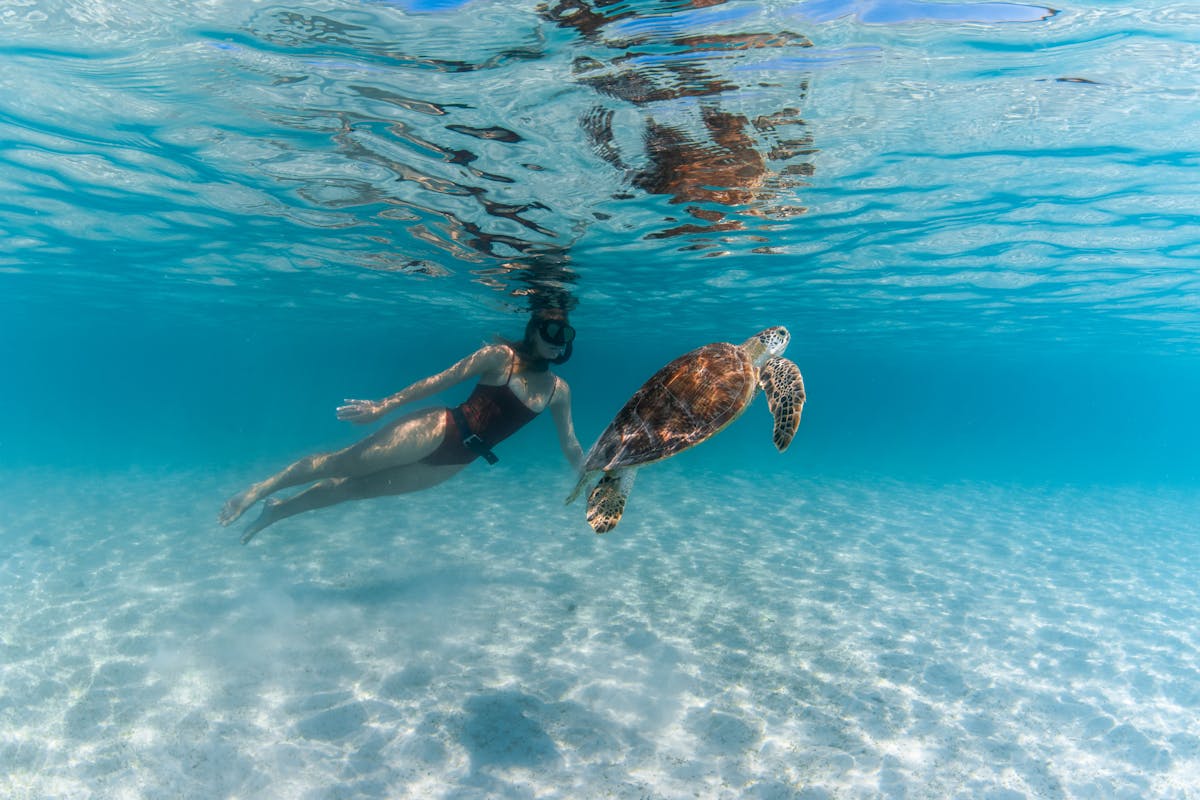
[(767, 344)]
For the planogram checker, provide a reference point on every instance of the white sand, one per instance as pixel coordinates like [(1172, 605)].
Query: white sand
[(825, 639)]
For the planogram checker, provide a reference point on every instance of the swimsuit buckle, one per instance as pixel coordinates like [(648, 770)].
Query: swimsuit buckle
[(473, 443)]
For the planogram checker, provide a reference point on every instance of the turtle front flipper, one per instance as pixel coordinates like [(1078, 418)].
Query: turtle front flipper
[(583, 480), (606, 503), (781, 381)]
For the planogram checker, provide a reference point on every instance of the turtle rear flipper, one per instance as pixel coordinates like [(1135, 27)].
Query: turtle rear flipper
[(781, 381), (606, 503)]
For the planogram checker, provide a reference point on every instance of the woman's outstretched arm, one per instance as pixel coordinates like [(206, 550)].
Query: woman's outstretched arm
[(490, 360), (560, 409)]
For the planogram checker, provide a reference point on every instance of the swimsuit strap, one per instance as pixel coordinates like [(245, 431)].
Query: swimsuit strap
[(512, 363)]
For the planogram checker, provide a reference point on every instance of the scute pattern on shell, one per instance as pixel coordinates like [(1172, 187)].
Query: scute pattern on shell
[(682, 404)]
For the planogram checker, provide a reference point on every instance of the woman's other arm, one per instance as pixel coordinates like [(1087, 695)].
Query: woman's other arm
[(560, 410)]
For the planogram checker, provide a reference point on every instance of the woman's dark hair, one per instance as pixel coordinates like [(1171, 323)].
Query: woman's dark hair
[(526, 349)]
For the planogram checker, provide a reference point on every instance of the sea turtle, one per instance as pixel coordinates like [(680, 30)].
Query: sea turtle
[(685, 403)]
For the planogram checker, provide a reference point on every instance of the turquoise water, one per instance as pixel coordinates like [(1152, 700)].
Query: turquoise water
[(970, 576)]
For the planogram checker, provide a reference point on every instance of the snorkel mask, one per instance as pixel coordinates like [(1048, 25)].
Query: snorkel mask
[(557, 332)]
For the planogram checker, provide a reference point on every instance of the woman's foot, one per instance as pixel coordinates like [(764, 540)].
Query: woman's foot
[(267, 517), (237, 505)]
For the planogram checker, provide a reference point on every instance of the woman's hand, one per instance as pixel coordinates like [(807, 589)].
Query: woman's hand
[(361, 411)]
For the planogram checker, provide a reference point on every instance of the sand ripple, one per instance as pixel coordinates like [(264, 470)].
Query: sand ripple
[(834, 639)]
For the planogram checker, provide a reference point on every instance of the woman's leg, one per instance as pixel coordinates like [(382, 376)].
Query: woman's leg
[(397, 480), (405, 441)]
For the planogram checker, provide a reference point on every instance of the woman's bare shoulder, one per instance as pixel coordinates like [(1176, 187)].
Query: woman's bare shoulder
[(492, 352), (562, 391), (489, 359)]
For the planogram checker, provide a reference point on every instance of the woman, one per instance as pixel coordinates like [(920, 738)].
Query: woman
[(426, 447)]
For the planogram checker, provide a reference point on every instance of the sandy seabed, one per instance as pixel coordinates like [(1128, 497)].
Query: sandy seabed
[(733, 638)]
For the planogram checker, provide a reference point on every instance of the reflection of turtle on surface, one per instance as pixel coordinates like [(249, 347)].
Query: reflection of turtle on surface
[(685, 403)]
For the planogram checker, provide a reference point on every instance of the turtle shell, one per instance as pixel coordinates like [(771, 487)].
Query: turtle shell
[(684, 403)]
